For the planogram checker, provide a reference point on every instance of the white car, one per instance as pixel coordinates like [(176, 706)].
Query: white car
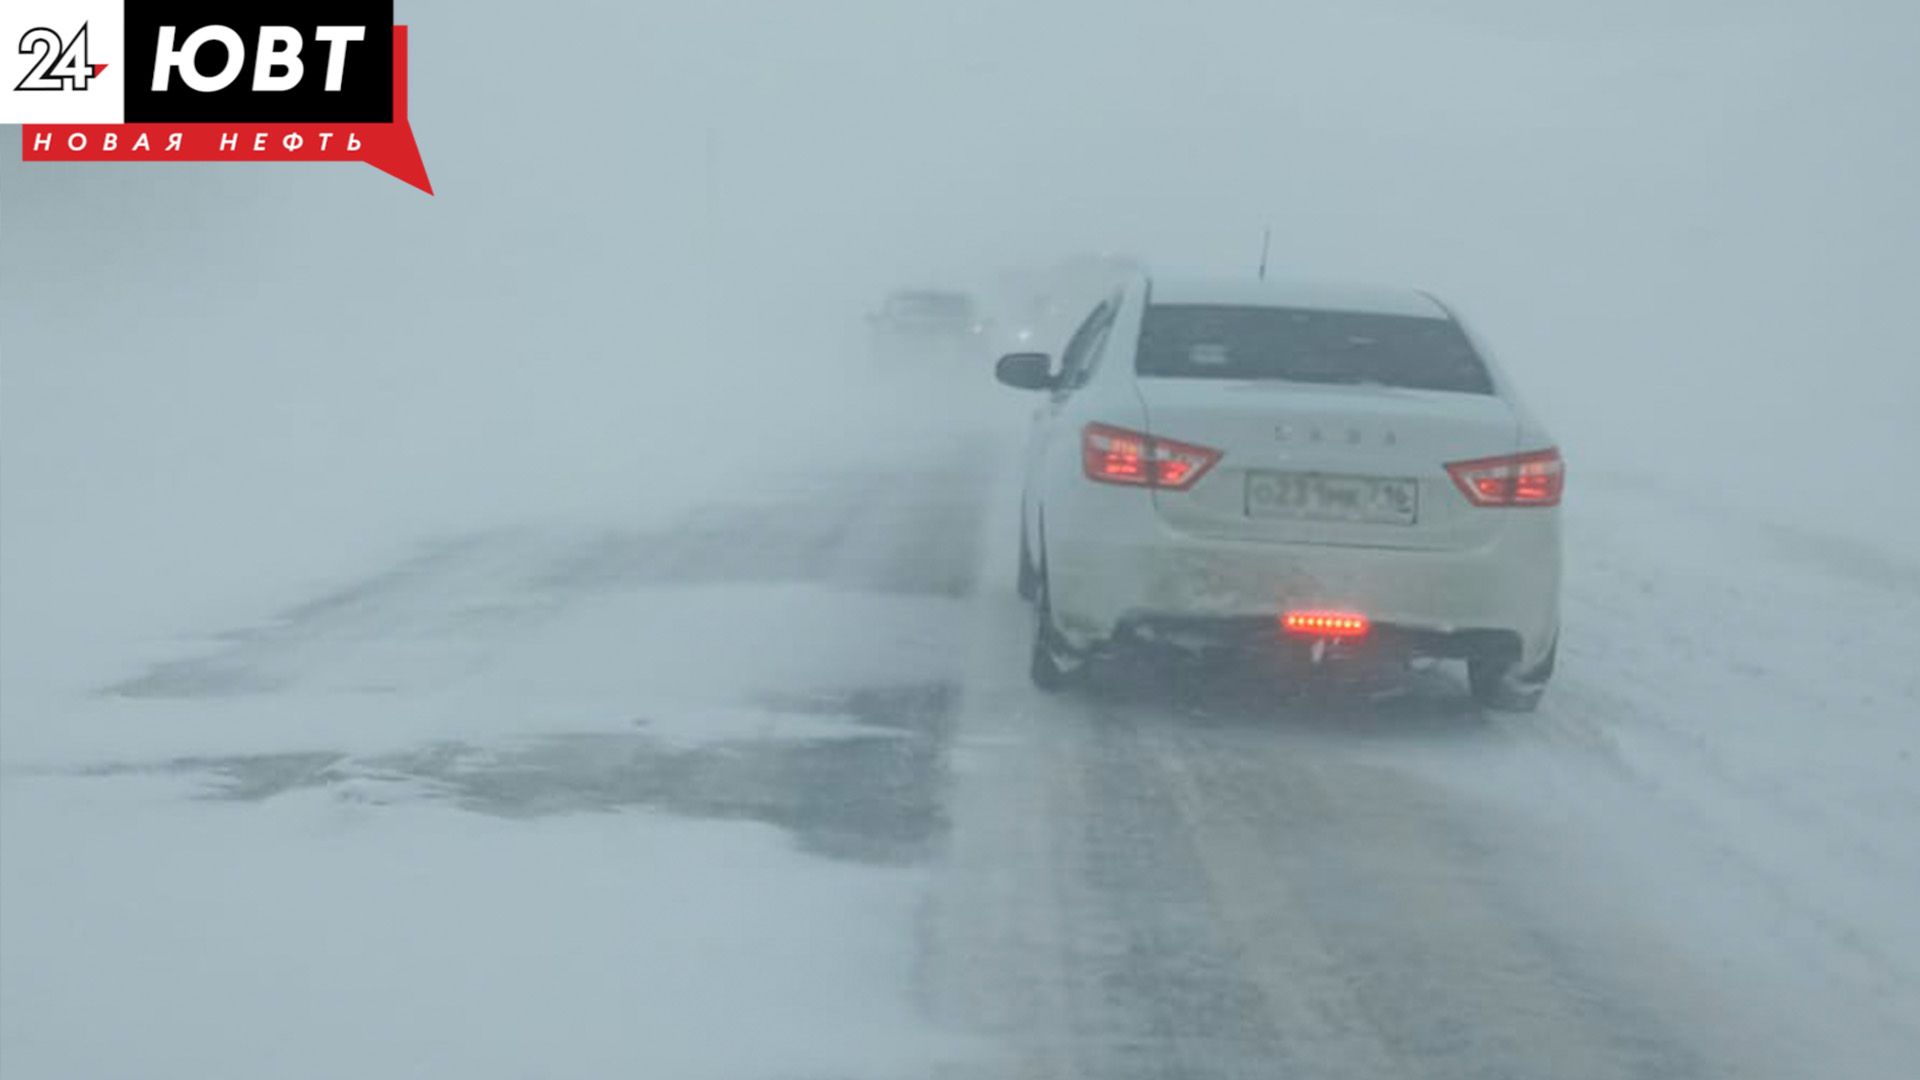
[(1315, 471)]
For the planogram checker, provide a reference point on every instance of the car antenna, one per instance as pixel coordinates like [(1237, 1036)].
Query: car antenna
[(1266, 245)]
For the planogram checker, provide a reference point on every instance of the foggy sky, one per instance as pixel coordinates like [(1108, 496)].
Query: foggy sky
[(1690, 235)]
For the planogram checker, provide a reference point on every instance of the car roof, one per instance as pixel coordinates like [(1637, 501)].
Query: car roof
[(1318, 295)]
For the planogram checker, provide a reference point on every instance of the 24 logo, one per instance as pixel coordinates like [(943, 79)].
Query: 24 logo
[(57, 65)]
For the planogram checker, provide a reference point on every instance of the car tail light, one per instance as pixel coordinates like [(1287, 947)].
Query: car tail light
[(1326, 624), (1113, 455), (1533, 479)]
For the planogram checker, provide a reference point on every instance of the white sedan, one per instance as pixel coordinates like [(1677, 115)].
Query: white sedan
[(1320, 472)]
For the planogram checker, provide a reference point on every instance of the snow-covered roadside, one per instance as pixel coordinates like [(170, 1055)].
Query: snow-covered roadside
[(456, 817), (371, 922), (311, 935), (1731, 752)]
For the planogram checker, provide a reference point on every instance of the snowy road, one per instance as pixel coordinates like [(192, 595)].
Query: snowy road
[(1697, 860), (760, 789)]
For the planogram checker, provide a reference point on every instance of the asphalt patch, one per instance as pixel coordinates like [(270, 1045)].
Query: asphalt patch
[(875, 794)]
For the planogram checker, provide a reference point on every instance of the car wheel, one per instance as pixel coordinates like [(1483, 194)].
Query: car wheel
[(1053, 666), (1497, 686), (1027, 580)]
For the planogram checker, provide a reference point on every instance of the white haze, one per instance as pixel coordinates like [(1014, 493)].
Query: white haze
[(1691, 233), (1690, 229)]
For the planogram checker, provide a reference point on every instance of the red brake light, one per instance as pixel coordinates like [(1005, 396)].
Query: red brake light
[(1532, 479), (1113, 455), (1326, 624)]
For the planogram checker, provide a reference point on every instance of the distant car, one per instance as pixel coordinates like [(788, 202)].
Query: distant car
[(921, 321), (1318, 472)]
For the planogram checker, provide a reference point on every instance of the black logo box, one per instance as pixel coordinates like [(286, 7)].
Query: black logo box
[(366, 87)]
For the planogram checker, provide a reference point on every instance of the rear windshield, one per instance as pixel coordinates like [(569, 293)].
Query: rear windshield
[(1204, 341)]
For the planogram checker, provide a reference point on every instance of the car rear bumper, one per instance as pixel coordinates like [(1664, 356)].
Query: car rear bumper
[(1263, 634), (1148, 580)]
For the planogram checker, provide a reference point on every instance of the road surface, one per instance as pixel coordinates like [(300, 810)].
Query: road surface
[(1696, 861)]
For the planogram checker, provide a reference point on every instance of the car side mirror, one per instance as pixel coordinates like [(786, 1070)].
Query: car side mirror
[(1025, 371)]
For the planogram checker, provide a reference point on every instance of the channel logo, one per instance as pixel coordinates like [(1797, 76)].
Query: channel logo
[(209, 80), (57, 64)]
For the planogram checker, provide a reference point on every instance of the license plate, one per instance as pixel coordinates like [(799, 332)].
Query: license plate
[(1369, 500)]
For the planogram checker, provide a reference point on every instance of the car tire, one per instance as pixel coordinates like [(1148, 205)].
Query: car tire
[(1052, 665), (1498, 687)]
